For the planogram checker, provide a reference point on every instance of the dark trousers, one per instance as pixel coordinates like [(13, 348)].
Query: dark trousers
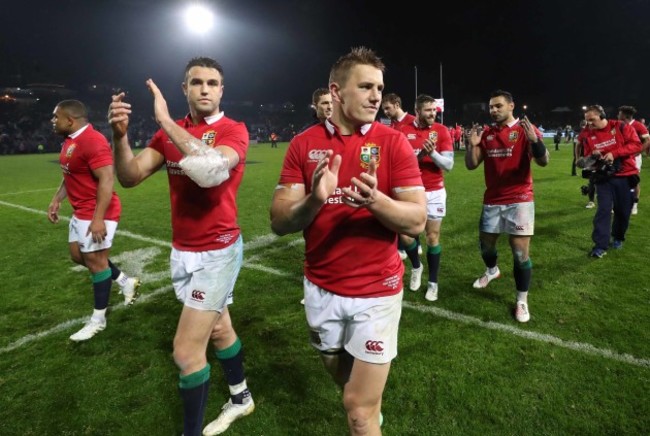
[(573, 166), (612, 194)]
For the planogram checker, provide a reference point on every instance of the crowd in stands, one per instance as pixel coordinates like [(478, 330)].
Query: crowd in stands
[(27, 128)]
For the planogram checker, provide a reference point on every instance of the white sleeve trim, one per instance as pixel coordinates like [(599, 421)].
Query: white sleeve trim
[(444, 160)]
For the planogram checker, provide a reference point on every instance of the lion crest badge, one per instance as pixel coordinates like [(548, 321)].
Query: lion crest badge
[(70, 150), (208, 138), (370, 152)]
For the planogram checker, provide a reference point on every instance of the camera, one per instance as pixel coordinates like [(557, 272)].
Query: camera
[(584, 190), (598, 169)]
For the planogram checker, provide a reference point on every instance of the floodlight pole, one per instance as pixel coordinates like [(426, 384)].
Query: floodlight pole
[(442, 113), (416, 82)]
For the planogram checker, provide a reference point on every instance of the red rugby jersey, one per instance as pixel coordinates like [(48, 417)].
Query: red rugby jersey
[(204, 218), (84, 151), (432, 175), (506, 153), (347, 250), (407, 119), (640, 130)]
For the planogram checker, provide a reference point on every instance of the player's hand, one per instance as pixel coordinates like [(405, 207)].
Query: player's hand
[(97, 229), (53, 212), (365, 191), (609, 157), (528, 128), (118, 115), (429, 145), (161, 112), (475, 135), (326, 177)]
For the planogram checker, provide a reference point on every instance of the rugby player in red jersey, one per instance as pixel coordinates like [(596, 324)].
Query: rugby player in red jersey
[(391, 105), (433, 147), (351, 185), (626, 114), (204, 155), (506, 149), (87, 164)]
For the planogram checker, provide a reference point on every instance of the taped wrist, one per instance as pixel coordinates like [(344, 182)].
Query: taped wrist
[(539, 149), (206, 166)]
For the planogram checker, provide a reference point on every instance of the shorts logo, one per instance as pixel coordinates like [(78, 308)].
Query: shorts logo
[(370, 152), (208, 138), (513, 136), (70, 150), (316, 155), (198, 295), (519, 228), (375, 347), (433, 136)]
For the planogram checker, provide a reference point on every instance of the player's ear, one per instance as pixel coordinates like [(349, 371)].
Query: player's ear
[(334, 90), (313, 106)]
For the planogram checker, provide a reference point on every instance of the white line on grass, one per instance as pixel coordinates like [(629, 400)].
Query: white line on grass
[(28, 192), (258, 242), (576, 346), (66, 325), (265, 240)]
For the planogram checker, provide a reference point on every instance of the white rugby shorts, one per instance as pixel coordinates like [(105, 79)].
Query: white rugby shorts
[(77, 233), (436, 204), (514, 219), (205, 280), (365, 327)]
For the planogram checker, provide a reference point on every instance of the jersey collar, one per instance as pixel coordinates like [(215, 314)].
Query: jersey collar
[(207, 120), (78, 132), (331, 128)]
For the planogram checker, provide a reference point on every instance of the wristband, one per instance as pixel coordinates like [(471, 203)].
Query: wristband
[(538, 148)]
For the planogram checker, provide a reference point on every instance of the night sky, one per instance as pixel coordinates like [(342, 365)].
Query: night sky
[(548, 54)]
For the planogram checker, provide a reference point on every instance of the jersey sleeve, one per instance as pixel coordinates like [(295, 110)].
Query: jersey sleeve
[(641, 129), (100, 154), (292, 166), (404, 166), (158, 141), (445, 142), (631, 142), (235, 137)]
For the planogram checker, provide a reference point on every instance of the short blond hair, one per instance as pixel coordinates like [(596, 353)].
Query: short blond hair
[(340, 71)]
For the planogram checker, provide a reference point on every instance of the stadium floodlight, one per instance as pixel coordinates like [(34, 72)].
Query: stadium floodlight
[(199, 18)]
